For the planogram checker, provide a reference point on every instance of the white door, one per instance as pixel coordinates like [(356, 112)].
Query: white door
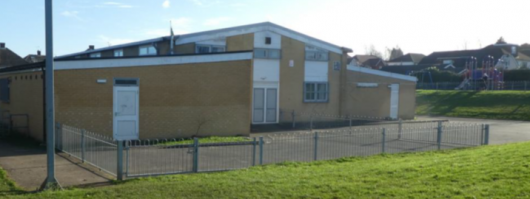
[(126, 112), (394, 101), (265, 105)]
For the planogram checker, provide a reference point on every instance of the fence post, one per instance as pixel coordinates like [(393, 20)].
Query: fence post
[(59, 135), (127, 147), (350, 122), (119, 171), (487, 134), (439, 135), (253, 151), (383, 140), (260, 150), (195, 155), (400, 130), (294, 123), (311, 124), (316, 146), (83, 146)]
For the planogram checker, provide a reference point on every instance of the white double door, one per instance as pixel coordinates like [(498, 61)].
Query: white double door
[(265, 106), (126, 113)]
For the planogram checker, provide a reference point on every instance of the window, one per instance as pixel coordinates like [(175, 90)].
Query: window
[(315, 54), (95, 55), (126, 82), (336, 66), (147, 50), (118, 53), (202, 49), (267, 53), (268, 40), (4, 90), (316, 92)]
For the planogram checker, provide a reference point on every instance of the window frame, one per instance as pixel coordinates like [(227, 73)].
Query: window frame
[(267, 53), (119, 51), (5, 99), (148, 51), (95, 55), (316, 92), (210, 48)]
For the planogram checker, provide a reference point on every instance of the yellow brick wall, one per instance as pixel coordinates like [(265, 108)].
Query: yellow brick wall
[(26, 97), (240, 42), (375, 102), (292, 83), (175, 100)]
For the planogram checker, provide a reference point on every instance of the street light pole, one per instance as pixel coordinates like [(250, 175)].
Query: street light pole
[(50, 182)]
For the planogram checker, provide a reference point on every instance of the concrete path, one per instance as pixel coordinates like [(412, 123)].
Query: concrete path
[(502, 131), (27, 167)]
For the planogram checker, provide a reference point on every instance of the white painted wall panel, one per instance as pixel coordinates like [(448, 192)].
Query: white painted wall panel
[(266, 70), (259, 40), (316, 71)]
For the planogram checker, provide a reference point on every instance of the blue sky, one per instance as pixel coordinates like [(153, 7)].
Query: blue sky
[(414, 25)]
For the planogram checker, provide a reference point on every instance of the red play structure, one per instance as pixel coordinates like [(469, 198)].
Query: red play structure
[(488, 77)]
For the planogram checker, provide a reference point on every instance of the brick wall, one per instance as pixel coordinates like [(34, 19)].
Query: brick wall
[(175, 101), (26, 97)]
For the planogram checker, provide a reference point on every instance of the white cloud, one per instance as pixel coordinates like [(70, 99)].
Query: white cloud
[(197, 2), (117, 4), (182, 22), (206, 3), (166, 4), (216, 21), (72, 14), (113, 41)]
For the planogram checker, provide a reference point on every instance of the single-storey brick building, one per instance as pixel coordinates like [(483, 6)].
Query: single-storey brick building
[(209, 83)]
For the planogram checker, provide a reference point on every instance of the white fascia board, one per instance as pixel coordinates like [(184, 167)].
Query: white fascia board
[(382, 73), (222, 33), (149, 61), (115, 47)]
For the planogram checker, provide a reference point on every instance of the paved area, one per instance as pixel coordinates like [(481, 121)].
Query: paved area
[(502, 131), (27, 167)]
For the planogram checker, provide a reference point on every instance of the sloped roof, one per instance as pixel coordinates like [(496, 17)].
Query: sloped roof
[(410, 57), (9, 58), (226, 32), (32, 58)]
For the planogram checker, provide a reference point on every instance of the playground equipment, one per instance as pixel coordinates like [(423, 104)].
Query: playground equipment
[(485, 78)]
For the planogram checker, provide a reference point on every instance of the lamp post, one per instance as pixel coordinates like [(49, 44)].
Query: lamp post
[(50, 182)]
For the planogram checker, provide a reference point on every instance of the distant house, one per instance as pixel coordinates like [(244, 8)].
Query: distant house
[(409, 59), (35, 58), (8, 58), (504, 55), (367, 61)]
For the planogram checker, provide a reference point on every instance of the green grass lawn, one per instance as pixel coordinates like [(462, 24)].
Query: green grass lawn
[(483, 172), (512, 105), (204, 140)]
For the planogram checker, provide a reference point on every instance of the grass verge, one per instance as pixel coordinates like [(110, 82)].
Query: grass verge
[(483, 172), (509, 105)]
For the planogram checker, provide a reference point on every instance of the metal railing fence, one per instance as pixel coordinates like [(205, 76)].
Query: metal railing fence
[(97, 150), (138, 158), (479, 85)]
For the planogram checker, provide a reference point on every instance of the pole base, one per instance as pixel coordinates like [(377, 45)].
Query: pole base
[(51, 185)]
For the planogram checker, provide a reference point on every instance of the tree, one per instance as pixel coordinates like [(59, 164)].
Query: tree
[(394, 53), (372, 51)]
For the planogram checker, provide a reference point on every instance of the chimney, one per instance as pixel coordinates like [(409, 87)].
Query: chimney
[(2, 45), (38, 52), (91, 47)]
